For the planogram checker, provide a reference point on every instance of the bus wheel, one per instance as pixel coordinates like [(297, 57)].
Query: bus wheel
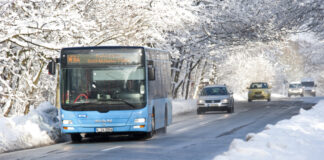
[(151, 133), (76, 137), (164, 129)]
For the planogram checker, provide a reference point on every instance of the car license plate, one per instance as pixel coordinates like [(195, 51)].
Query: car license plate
[(104, 129), (213, 105)]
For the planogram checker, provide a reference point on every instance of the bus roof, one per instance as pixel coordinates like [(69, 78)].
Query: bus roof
[(101, 47), (112, 47)]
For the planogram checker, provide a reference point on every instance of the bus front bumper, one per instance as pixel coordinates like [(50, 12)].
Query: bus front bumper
[(103, 128)]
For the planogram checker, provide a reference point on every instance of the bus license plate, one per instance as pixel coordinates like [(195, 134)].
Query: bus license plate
[(104, 129)]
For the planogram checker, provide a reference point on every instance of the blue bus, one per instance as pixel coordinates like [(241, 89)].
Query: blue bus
[(113, 90)]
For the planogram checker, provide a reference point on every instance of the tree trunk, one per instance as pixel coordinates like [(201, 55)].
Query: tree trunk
[(6, 114), (27, 107), (188, 81)]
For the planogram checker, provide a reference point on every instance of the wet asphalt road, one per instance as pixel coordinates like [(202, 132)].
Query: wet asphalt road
[(191, 136)]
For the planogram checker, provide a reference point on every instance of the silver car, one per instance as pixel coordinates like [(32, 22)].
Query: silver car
[(295, 88), (215, 98)]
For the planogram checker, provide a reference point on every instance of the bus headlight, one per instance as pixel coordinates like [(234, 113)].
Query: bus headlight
[(224, 101), (139, 120), (200, 101), (67, 122)]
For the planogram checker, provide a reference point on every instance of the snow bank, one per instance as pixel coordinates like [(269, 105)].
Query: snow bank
[(300, 138), (183, 106), (39, 127)]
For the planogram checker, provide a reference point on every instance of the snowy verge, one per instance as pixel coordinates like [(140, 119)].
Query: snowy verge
[(299, 138), (39, 127), (180, 106)]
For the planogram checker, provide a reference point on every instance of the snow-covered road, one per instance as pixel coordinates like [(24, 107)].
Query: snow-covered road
[(190, 136)]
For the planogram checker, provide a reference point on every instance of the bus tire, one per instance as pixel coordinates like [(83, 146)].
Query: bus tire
[(164, 129), (76, 138), (151, 133)]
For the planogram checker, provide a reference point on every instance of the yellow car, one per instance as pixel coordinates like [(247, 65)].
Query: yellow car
[(259, 90)]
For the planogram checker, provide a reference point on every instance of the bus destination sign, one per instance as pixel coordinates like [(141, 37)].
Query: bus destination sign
[(103, 59)]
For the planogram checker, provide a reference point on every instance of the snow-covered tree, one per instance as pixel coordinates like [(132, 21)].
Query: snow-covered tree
[(33, 32), (219, 40)]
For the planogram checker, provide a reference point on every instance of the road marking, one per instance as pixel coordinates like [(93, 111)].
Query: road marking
[(109, 149), (201, 123)]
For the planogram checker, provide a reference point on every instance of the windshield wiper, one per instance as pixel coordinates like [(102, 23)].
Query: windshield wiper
[(121, 100), (96, 104)]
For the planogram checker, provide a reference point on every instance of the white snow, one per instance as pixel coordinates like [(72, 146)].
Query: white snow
[(40, 127), (299, 138), (180, 106)]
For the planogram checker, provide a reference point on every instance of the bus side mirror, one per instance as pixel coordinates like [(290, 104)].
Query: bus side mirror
[(51, 68), (151, 73)]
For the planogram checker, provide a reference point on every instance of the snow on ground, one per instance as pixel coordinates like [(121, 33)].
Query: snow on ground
[(183, 106), (39, 127), (277, 95), (299, 138), (244, 97)]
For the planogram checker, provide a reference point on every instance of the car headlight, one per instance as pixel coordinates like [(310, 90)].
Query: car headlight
[(139, 120), (313, 90), (67, 122), (224, 101), (200, 101)]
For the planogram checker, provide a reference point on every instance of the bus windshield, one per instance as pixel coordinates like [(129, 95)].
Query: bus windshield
[(115, 87)]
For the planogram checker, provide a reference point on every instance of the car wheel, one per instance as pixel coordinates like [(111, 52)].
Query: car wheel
[(289, 95), (268, 99), (199, 111), (230, 109), (302, 95), (249, 100)]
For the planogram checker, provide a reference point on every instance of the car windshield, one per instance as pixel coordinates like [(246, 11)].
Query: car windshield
[(213, 91), (308, 84), (258, 85), (294, 85)]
